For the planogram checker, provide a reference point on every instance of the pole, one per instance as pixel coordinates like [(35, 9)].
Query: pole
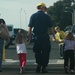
[(20, 17), (25, 18), (0, 15)]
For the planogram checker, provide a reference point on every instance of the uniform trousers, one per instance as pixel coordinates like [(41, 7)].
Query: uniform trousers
[(69, 55), (42, 49)]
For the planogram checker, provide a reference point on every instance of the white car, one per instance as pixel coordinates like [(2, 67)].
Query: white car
[(70, 28)]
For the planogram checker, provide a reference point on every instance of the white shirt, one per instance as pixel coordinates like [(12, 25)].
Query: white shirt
[(69, 44), (21, 48)]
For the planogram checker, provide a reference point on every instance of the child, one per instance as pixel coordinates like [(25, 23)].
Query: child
[(21, 49), (59, 36), (69, 52)]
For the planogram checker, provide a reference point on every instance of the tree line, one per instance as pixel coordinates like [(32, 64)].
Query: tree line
[(61, 13)]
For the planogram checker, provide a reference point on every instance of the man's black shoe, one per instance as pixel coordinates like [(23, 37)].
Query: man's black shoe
[(66, 70), (61, 57), (38, 69), (44, 71), (0, 70)]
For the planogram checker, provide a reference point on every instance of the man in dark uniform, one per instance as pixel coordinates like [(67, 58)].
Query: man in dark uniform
[(41, 22)]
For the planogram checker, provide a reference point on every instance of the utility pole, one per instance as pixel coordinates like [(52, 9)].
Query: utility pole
[(20, 17)]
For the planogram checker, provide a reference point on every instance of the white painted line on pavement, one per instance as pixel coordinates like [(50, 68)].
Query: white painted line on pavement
[(11, 61)]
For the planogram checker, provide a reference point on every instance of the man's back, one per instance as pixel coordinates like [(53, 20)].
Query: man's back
[(41, 22)]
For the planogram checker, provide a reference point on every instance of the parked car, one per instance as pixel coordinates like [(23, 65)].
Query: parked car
[(70, 28)]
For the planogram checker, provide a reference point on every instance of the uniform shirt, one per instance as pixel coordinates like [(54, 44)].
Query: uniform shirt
[(21, 48), (60, 36), (69, 44), (41, 22)]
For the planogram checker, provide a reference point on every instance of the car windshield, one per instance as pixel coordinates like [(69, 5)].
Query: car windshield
[(68, 28), (73, 29), (10, 28)]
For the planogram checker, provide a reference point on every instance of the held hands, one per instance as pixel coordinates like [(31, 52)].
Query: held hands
[(56, 40), (53, 38), (27, 42), (28, 37)]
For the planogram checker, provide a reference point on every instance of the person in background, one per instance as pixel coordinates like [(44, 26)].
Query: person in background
[(69, 52), (21, 49), (40, 22), (59, 36), (3, 24)]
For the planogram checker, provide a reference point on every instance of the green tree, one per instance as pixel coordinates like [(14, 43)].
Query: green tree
[(58, 14)]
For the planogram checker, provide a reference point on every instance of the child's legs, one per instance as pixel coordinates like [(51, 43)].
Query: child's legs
[(72, 59), (66, 59), (23, 59), (20, 59), (61, 50)]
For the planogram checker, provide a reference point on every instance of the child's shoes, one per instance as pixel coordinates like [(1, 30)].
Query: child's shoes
[(22, 70)]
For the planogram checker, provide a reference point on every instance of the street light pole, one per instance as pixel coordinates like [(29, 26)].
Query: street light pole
[(20, 17), (25, 17), (0, 15)]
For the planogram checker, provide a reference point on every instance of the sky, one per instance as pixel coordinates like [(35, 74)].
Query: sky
[(18, 12)]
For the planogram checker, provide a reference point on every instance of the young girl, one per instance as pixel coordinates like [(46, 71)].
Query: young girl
[(21, 49), (69, 52)]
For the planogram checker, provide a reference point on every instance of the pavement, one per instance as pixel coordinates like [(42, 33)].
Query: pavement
[(11, 67), (11, 64), (12, 58), (32, 62)]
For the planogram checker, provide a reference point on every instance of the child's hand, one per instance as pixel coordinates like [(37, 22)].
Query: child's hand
[(27, 42), (53, 40)]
